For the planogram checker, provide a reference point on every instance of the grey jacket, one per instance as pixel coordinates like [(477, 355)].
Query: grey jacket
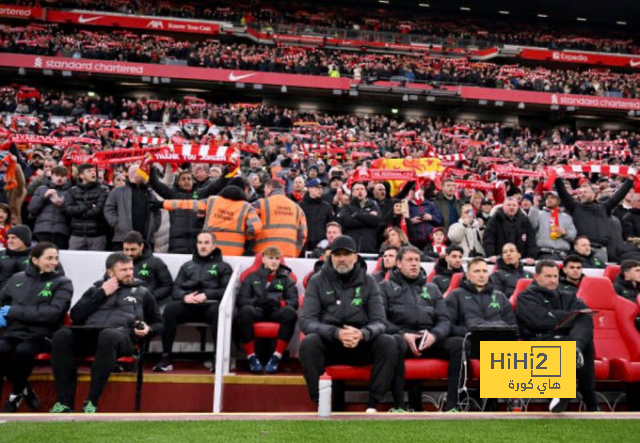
[(541, 222), (117, 212), (50, 218)]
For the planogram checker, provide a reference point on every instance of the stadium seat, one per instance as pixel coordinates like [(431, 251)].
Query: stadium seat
[(456, 279), (378, 266), (522, 284), (611, 272), (431, 275)]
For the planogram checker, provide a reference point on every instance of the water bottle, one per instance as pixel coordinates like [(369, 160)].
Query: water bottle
[(324, 399), (517, 405)]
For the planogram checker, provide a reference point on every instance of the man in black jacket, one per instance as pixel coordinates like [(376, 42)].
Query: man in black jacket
[(477, 303), (509, 225), (197, 293), (388, 262), (47, 206), (591, 217), (16, 257), (269, 294), (344, 322), (414, 309), (508, 270), (318, 213), (84, 204), (445, 267), (571, 274), (631, 220), (590, 259), (149, 269), (540, 308), (106, 322), (627, 282), (361, 219)]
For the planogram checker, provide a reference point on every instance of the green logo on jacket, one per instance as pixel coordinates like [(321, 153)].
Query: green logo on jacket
[(213, 271), (144, 272), (46, 292), (357, 301), (494, 303), (195, 196), (279, 286), (425, 293)]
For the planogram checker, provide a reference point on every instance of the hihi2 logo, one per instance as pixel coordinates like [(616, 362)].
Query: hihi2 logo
[(528, 369)]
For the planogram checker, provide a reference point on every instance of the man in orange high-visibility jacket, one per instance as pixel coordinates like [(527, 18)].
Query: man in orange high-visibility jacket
[(229, 215), (284, 224)]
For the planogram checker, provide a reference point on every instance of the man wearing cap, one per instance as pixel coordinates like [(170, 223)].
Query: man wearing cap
[(344, 322), (554, 227), (16, 256), (317, 211), (361, 219)]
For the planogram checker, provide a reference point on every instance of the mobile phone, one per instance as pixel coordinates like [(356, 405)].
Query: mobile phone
[(423, 339)]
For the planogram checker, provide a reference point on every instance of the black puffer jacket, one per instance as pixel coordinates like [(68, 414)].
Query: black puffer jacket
[(209, 275), (39, 302), (592, 219), (12, 262), (501, 230), (50, 219), (626, 288), (281, 292), (154, 274), (185, 225), (414, 306), (358, 223), (540, 310), (631, 224), (318, 213), (331, 302), (505, 277), (122, 309), (566, 286), (443, 276), (591, 261), (468, 308), (84, 204)]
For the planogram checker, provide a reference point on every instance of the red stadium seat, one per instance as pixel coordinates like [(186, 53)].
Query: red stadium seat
[(305, 281), (378, 266), (611, 272), (431, 275), (456, 279), (522, 284)]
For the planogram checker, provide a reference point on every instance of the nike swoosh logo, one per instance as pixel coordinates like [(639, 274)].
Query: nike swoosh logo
[(634, 64), (19, 284), (82, 19), (235, 78)]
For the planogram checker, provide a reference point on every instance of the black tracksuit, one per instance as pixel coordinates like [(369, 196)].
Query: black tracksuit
[(413, 306), (39, 302), (358, 223), (591, 261), (333, 301), (102, 326), (568, 287), (540, 310), (259, 300), (626, 288), (154, 274), (443, 276), (12, 262), (505, 277), (318, 213), (209, 275)]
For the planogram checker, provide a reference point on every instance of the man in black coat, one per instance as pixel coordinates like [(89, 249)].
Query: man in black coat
[(269, 294), (149, 269), (627, 282), (582, 248), (106, 322), (416, 309), (540, 308), (509, 225), (631, 220), (571, 274), (361, 220), (344, 322), (197, 293), (591, 217), (16, 256), (318, 212), (84, 204), (508, 270), (445, 267)]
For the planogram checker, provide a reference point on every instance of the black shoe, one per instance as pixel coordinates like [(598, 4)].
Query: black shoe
[(13, 403), (31, 399), (164, 365), (559, 404)]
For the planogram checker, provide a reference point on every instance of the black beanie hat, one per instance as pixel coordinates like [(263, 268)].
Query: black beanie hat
[(23, 233)]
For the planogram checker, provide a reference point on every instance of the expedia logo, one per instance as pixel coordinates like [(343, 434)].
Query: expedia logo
[(38, 62), (156, 24)]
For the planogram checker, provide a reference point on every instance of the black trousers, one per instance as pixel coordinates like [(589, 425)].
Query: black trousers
[(382, 352), (107, 345), (582, 334), (17, 358), (179, 312), (60, 240), (248, 315), (449, 349)]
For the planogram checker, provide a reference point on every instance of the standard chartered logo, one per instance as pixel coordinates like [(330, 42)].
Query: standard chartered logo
[(38, 62), (88, 66)]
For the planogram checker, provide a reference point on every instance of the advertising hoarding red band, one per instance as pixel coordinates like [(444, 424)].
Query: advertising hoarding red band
[(586, 58), (132, 22), (24, 12)]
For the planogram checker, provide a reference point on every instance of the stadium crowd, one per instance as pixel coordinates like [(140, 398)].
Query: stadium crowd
[(147, 48)]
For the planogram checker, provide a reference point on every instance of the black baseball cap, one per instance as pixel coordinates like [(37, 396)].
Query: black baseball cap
[(344, 242)]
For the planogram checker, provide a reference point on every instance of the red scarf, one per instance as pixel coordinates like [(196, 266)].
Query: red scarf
[(555, 224)]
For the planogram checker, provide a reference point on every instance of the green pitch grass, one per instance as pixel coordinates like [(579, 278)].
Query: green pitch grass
[(494, 431)]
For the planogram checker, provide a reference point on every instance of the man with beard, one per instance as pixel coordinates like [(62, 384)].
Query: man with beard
[(446, 266), (387, 264), (571, 274), (344, 322), (197, 292), (106, 322), (508, 270), (590, 259), (318, 213), (361, 219), (416, 309)]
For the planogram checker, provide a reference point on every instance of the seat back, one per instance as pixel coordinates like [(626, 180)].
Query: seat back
[(611, 272), (456, 279), (257, 262), (626, 312), (599, 295), (378, 266), (522, 284), (431, 275)]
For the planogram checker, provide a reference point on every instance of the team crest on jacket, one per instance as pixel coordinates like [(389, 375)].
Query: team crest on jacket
[(131, 299), (144, 271), (46, 292)]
